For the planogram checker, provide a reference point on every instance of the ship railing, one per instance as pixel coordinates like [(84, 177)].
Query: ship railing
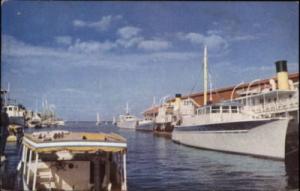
[(218, 118), (280, 106)]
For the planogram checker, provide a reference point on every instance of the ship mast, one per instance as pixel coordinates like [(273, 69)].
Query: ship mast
[(127, 108), (205, 76)]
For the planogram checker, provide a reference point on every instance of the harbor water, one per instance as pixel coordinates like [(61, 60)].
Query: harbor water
[(156, 163)]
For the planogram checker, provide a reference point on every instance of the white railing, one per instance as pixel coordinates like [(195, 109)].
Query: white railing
[(215, 118), (273, 107)]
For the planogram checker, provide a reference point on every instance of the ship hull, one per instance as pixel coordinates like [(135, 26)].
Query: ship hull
[(145, 127), (16, 120), (163, 128), (259, 138), (127, 124)]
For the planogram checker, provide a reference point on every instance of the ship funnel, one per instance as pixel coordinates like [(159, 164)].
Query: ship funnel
[(282, 75), (177, 101)]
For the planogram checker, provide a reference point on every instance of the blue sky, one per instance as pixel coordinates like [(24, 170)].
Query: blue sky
[(88, 57)]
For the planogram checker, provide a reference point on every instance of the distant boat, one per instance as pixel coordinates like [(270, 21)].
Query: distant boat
[(98, 119), (59, 122), (16, 114), (33, 119), (127, 121), (114, 121)]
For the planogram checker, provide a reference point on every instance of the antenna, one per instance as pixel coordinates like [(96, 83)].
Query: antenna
[(127, 108), (36, 106), (6, 98), (205, 76), (153, 104), (210, 89)]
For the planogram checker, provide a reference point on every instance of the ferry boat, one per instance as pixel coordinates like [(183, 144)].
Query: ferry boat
[(231, 126), (63, 160), (127, 121)]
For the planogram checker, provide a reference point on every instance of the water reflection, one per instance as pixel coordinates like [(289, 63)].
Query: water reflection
[(156, 163)]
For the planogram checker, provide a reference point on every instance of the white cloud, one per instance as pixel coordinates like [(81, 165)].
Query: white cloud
[(65, 40), (79, 23), (128, 32), (213, 41), (175, 56), (211, 32), (154, 44), (194, 38), (91, 46), (12, 47), (87, 53), (103, 24), (127, 43)]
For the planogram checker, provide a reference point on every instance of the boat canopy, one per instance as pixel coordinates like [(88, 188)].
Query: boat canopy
[(75, 142)]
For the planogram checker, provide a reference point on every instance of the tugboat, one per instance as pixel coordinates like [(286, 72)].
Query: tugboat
[(63, 160)]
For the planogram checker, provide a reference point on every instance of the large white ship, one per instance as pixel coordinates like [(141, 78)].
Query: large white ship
[(226, 127), (232, 126)]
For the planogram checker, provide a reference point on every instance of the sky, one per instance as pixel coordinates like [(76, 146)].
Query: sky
[(89, 57)]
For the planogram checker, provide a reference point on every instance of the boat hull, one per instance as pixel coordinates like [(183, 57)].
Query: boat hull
[(145, 127), (163, 127), (17, 120), (264, 138), (127, 124)]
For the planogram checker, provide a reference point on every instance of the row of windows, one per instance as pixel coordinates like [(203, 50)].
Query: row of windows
[(218, 109), (187, 102), (10, 109)]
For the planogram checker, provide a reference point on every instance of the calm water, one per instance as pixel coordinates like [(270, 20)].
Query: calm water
[(156, 163)]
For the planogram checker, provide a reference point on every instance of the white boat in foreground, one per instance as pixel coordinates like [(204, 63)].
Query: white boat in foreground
[(63, 160)]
